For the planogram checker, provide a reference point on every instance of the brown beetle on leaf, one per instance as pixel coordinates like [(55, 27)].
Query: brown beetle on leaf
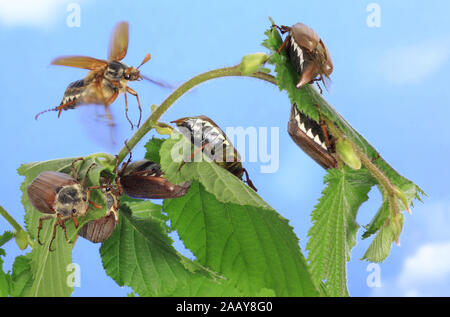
[(61, 196), (210, 139), (100, 229), (313, 138), (144, 179), (307, 53)]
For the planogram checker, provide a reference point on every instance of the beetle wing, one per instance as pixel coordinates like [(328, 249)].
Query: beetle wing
[(155, 187), (118, 45), (305, 36), (84, 62), (42, 190), (327, 64)]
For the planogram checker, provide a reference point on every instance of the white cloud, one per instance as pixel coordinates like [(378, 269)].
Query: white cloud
[(430, 265), (30, 12), (426, 271), (412, 64)]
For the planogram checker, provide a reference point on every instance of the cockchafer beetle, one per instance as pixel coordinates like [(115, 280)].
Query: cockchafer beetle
[(313, 138), (61, 196), (144, 179), (106, 79), (100, 229), (213, 142), (307, 53)]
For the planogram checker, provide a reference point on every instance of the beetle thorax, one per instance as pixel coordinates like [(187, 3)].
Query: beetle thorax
[(71, 200), (115, 71)]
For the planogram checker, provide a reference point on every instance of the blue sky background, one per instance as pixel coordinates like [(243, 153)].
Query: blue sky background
[(390, 83)]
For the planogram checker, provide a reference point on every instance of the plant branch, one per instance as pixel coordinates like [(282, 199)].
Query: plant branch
[(17, 228), (385, 183), (10, 219), (152, 121)]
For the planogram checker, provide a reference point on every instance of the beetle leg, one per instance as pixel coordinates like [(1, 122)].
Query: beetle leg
[(200, 149), (323, 125), (75, 221), (248, 181), (95, 204), (126, 110), (88, 194), (317, 84), (40, 226), (61, 107), (53, 237), (134, 93), (74, 171), (59, 222), (283, 29), (83, 184), (288, 38), (124, 165)]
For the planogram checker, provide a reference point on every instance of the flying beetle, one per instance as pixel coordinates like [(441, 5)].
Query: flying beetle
[(307, 53), (204, 133), (106, 78)]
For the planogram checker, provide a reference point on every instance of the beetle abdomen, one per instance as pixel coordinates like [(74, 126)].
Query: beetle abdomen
[(99, 230), (298, 56), (309, 136), (73, 94)]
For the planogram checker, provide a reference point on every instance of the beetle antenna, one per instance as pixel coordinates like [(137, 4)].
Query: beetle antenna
[(125, 165), (87, 173), (74, 171), (145, 60), (48, 110)]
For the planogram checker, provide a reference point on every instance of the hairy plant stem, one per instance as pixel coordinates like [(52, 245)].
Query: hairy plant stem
[(152, 121), (14, 224), (384, 182), (10, 219)]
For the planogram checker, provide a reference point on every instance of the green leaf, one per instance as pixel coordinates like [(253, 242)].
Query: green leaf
[(139, 254), (377, 221), (334, 229), (5, 237), (380, 247), (5, 283), (199, 286), (49, 269), (152, 147), (222, 184), (253, 247), (22, 278)]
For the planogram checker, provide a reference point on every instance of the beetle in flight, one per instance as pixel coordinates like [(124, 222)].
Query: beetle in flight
[(106, 79)]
